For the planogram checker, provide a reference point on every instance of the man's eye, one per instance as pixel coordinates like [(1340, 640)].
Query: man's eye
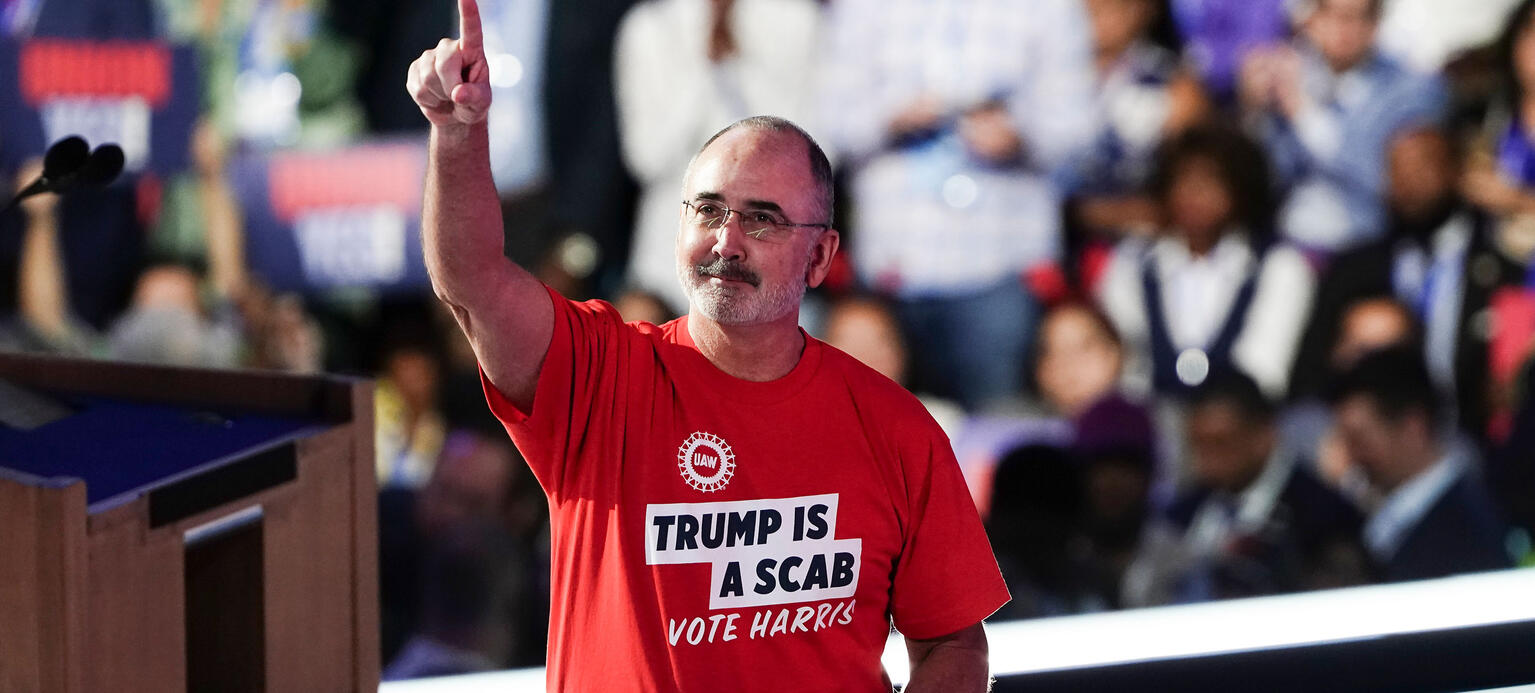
[(763, 218), (707, 209)]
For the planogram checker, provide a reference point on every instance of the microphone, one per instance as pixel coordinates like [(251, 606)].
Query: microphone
[(70, 162), (62, 159), (101, 168)]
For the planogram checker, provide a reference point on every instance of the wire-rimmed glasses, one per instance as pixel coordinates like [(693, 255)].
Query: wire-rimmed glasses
[(763, 224)]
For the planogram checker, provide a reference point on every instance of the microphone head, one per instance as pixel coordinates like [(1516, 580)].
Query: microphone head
[(65, 157), (103, 165)]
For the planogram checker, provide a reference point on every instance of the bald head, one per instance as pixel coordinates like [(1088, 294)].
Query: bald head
[(818, 165)]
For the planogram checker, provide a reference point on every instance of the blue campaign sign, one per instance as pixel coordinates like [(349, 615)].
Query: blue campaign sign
[(142, 95), (338, 218)]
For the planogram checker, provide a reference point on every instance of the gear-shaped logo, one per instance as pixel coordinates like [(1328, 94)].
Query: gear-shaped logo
[(706, 462)]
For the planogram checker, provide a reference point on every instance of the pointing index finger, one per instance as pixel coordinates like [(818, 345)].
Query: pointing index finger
[(470, 40)]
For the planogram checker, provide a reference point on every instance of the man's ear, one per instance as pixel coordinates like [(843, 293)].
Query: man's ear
[(824, 251)]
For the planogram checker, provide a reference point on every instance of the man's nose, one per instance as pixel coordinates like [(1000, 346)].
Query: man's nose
[(730, 238)]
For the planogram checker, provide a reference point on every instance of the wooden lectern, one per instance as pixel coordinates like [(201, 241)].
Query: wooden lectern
[(165, 529)]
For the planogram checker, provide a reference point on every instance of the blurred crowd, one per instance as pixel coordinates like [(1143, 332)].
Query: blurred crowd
[(1215, 298)]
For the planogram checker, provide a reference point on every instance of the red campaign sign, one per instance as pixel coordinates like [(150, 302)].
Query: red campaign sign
[(337, 218), (378, 175), (60, 69)]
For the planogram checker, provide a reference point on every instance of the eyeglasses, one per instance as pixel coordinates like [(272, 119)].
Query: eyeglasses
[(757, 223)]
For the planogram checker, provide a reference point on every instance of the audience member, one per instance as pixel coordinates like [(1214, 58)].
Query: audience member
[(1115, 445), (167, 320), (1035, 531), (1219, 34), (1436, 517), (1501, 173), (685, 69), (280, 334), (1079, 359), (866, 329), (46, 321), (1255, 520), (464, 626), (409, 427), (1326, 105), (1077, 365), (951, 119), (97, 249), (463, 571), (1144, 94), (471, 572), (1439, 258), (1214, 290), (1306, 426), (167, 323), (199, 214), (638, 305)]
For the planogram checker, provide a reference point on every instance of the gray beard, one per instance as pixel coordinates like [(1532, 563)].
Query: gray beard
[(730, 305)]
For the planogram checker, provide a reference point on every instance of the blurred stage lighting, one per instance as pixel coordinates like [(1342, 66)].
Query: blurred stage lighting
[(1144, 635)]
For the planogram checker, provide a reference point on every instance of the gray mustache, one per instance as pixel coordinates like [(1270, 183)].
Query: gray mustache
[(727, 269)]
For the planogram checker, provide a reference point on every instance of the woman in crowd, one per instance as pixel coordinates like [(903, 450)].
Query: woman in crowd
[(1501, 172), (1213, 288), (1144, 94)]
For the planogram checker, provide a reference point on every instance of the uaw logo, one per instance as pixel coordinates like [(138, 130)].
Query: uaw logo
[(706, 462)]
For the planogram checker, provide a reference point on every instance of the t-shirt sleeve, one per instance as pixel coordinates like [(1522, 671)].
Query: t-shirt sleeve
[(946, 578), (578, 384)]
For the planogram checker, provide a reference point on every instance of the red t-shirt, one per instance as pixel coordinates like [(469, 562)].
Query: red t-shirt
[(711, 533)]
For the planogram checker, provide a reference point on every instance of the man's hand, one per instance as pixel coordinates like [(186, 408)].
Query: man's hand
[(923, 114), (1270, 80), (504, 311), (451, 83), (989, 133), (1256, 79), (1288, 94)]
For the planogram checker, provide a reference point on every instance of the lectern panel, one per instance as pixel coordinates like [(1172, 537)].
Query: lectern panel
[(223, 537)]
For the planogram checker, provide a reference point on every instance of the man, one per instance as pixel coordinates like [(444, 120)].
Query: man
[(952, 118), (1435, 518), (1326, 106), (1306, 426), (1439, 259), (734, 505), (1255, 521)]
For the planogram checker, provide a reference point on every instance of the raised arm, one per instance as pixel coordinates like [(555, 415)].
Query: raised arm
[(503, 310), (42, 293)]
